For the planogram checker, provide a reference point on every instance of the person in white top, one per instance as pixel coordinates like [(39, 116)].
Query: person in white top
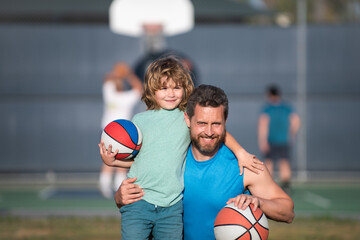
[(119, 103)]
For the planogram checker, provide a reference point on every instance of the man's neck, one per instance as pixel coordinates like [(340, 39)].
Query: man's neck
[(201, 156), (275, 100)]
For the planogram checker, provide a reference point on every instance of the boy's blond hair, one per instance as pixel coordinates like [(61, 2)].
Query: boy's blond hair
[(169, 67)]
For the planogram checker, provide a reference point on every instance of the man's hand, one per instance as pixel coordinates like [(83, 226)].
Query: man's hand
[(242, 201), (128, 192)]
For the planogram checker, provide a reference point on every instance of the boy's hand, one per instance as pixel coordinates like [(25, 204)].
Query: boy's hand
[(107, 155), (251, 162)]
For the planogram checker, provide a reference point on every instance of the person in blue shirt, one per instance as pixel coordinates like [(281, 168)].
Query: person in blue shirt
[(211, 176), (277, 128)]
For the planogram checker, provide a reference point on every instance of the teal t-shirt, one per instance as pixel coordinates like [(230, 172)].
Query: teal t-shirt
[(159, 166), (279, 125)]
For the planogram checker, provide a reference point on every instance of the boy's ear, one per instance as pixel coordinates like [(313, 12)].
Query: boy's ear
[(187, 119)]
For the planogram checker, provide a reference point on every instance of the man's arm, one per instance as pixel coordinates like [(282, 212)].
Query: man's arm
[(295, 124), (263, 131), (273, 201)]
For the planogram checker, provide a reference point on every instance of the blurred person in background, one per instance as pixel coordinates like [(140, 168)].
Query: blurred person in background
[(155, 46), (277, 128), (145, 60), (119, 103)]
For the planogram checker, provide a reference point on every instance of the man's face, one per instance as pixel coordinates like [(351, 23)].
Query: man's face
[(207, 129)]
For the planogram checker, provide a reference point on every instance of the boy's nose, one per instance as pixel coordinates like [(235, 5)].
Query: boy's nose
[(171, 92)]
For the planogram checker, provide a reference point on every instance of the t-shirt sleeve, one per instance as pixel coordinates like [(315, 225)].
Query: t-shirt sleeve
[(290, 109), (109, 90), (264, 109)]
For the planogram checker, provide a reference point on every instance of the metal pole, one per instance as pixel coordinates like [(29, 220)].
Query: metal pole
[(301, 45)]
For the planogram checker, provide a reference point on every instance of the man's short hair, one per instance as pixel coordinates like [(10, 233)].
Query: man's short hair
[(273, 90), (207, 96)]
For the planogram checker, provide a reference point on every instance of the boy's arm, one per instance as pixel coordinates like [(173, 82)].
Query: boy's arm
[(108, 157), (135, 82), (244, 158)]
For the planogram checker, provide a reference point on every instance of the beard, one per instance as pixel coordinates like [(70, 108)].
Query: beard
[(207, 149)]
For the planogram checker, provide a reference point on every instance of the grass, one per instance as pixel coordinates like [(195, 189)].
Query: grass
[(310, 200), (59, 228), (109, 228), (315, 228)]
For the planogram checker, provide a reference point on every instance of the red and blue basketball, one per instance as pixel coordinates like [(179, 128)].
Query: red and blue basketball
[(234, 223), (124, 135)]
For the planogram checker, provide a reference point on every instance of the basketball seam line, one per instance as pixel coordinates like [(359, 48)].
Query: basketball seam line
[(243, 235), (246, 230), (257, 221), (120, 142), (136, 145), (126, 131), (242, 215), (252, 225), (230, 224)]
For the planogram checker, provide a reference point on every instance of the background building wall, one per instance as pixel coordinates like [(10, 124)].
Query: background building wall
[(51, 78)]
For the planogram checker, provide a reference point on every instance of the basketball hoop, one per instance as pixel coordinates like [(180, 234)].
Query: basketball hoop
[(128, 17)]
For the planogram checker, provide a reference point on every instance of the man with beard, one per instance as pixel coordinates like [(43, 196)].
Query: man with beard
[(212, 177)]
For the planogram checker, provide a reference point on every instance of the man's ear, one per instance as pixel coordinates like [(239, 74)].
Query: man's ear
[(187, 119)]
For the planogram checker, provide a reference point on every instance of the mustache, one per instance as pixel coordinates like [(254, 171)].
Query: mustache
[(208, 136)]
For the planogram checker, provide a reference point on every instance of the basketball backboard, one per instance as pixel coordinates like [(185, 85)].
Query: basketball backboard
[(128, 17)]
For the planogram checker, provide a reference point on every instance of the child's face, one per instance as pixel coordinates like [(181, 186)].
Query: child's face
[(170, 94)]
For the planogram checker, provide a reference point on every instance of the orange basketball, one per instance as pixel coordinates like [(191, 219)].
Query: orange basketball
[(234, 223)]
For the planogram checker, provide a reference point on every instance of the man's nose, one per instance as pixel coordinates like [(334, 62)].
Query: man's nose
[(208, 130)]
